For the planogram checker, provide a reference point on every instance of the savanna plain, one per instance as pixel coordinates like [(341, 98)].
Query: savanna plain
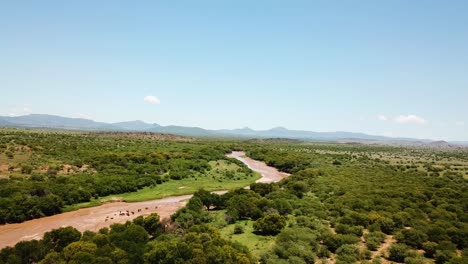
[(156, 198)]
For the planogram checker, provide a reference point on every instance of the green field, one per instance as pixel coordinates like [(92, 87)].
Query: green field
[(170, 188), (258, 245)]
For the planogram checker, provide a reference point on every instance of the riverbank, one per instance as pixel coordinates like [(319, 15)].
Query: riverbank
[(95, 218)]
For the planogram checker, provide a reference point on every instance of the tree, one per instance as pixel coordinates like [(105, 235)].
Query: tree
[(413, 237), (59, 238), (53, 258), (119, 256), (152, 225), (131, 238), (80, 251), (398, 252), (205, 197), (348, 254), (296, 242), (429, 248), (283, 206), (298, 188), (271, 224), (30, 251), (261, 188)]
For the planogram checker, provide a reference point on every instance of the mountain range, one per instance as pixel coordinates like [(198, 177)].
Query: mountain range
[(58, 122)]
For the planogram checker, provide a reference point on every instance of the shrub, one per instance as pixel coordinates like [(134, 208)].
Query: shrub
[(398, 252), (347, 254), (238, 229), (374, 239), (413, 238), (429, 248), (271, 224)]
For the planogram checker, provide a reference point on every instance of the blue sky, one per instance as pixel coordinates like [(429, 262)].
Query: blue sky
[(397, 68)]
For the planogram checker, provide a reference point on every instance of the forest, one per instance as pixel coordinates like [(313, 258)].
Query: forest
[(343, 203)]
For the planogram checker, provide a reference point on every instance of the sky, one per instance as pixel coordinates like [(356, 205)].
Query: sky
[(395, 68)]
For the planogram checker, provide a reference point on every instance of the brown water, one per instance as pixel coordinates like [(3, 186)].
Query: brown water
[(269, 174), (95, 218)]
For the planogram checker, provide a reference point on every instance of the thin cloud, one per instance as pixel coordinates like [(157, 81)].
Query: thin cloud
[(410, 119), (151, 99), (20, 111), (382, 118), (460, 123), (81, 115)]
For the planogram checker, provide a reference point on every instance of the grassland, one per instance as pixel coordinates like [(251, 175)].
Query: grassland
[(258, 245), (213, 180)]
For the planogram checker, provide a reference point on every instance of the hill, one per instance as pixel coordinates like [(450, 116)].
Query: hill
[(58, 122)]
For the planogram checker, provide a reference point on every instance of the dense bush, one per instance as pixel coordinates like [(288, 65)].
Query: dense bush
[(338, 197), (270, 224), (128, 243), (68, 168)]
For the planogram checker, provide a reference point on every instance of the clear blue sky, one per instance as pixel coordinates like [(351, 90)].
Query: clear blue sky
[(381, 67)]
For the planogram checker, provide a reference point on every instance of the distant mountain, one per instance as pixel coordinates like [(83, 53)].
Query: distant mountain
[(136, 125), (51, 121), (246, 131), (184, 131), (459, 143), (58, 122), (440, 144), (281, 132), (4, 123)]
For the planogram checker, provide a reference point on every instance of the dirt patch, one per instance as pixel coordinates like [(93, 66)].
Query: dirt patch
[(87, 168), (4, 167), (382, 250), (44, 168), (67, 169), (23, 148)]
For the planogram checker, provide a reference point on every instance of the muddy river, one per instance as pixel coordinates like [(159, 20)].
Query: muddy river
[(95, 218)]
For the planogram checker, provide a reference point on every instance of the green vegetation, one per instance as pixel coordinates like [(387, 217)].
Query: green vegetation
[(366, 199), (343, 203), (171, 188), (143, 240), (55, 171)]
